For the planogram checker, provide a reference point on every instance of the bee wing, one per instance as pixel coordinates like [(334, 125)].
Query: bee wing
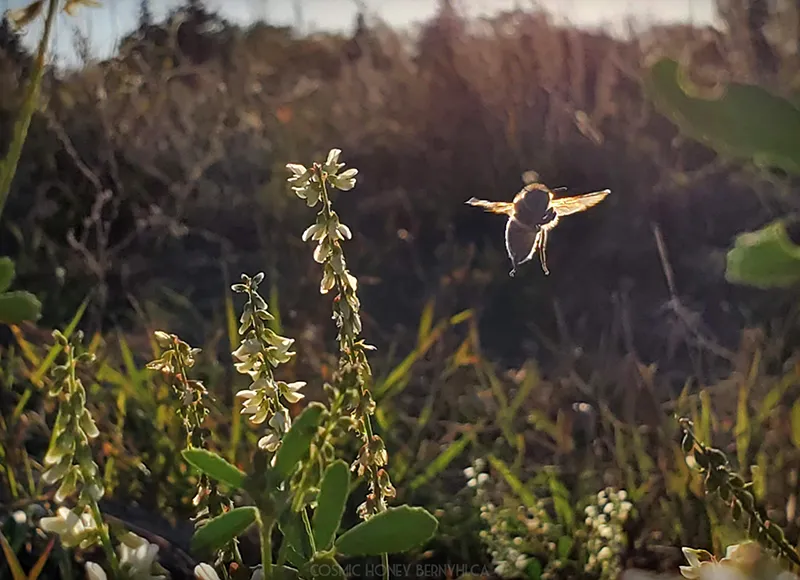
[(578, 203), (521, 242), (501, 207)]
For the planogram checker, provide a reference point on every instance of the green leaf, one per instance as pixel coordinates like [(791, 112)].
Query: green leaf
[(331, 502), (766, 258), (6, 273), (393, 531), (294, 534), (324, 566), (297, 441), (513, 481), (222, 529), (215, 466), (565, 544), (19, 306), (738, 120)]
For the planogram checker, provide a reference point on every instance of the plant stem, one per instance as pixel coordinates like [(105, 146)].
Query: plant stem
[(105, 539), (265, 524), (310, 533), (8, 166)]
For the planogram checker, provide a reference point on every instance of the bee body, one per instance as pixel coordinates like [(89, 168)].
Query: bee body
[(533, 213)]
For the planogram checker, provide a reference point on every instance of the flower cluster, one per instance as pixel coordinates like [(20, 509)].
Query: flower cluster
[(606, 538), (69, 458), (260, 351), (517, 537), (138, 560), (74, 530), (352, 400), (174, 364)]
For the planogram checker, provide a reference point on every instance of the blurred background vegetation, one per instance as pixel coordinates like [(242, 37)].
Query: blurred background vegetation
[(150, 180)]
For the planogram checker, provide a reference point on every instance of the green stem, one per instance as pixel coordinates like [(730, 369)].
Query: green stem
[(8, 167), (265, 524), (105, 539), (385, 566), (310, 533), (347, 344)]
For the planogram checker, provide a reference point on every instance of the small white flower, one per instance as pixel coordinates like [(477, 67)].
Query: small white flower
[(333, 158), (604, 554), (269, 442), (622, 495), (314, 232), (280, 420), (472, 482), (248, 348), (205, 571), (608, 508), (344, 231), (606, 532), (94, 572), (138, 557), (591, 511), (66, 524), (19, 517), (521, 562), (469, 472), (296, 168), (291, 391), (483, 478)]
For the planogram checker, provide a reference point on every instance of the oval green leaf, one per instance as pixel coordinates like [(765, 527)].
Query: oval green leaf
[(215, 466), (297, 442), (331, 502), (393, 531), (766, 258), (296, 537), (222, 529), (742, 121), (19, 306), (6, 273)]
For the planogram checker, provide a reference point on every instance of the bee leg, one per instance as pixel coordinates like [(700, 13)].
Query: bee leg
[(512, 273), (543, 252)]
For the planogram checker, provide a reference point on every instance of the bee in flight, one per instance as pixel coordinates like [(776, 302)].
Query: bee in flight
[(534, 212)]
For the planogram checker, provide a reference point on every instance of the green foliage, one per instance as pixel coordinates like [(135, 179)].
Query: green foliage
[(331, 502), (395, 530), (8, 165), (766, 258), (722, 481), (18, 306), (297, 442), (222, 529), (749, 123), (743, 121), (215, 466)]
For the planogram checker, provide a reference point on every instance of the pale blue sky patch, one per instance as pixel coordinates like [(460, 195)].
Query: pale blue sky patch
[(104, 26)]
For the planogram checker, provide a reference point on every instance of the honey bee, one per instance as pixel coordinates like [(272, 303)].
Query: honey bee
[(534, 212)]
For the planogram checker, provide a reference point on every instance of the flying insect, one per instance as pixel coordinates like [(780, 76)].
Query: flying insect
[(532, 215)]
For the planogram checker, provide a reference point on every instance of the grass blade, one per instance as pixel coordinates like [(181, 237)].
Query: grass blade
[(442, 462)]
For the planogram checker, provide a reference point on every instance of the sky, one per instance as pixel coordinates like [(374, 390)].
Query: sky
[(106, 24)]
